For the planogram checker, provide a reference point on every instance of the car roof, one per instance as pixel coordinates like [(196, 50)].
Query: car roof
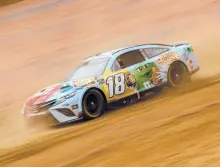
[(110, 53), (106, 54)]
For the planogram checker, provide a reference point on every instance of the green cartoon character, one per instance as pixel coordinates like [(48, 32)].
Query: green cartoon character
[(145, 75)]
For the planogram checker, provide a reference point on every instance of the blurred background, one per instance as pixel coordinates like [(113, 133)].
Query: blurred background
[(42, 40)]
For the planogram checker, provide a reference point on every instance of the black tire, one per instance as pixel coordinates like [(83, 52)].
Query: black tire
[(178, 75), (93, 104)]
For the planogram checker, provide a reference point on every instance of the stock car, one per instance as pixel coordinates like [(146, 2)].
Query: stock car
[(109, 77)]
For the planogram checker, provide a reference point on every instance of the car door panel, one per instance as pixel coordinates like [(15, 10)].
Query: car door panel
[(120, 84), (131, 80), (146, 75)]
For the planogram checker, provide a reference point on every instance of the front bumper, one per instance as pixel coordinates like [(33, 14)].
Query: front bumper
[(41, 119), (54, 113), (51, 117)]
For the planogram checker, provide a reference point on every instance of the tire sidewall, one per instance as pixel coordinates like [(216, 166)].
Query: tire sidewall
[(185, 75), (101, 104)]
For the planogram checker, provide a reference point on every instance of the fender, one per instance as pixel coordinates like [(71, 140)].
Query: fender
[(180, 61), (83, 91)]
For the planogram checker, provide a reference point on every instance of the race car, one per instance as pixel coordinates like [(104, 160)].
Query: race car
[(109, 77)]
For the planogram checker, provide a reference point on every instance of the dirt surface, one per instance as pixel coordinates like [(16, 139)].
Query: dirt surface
[(7, 2), (41, 41)]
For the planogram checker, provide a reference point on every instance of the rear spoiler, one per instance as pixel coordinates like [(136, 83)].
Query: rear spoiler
[(180, 43)]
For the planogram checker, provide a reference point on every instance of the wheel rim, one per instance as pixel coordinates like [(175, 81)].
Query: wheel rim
[(177, 75), (92, 104)]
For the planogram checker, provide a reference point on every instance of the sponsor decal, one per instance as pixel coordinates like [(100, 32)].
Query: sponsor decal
[(168, 58), (185, 55), (66, 104), (147, 75), (190, 49), (46, 94), (154, 78), (116, 84), (89, 84), (191, 64), (75, 83), (99, 80), (131, 81), (85, 82), (74, 106)]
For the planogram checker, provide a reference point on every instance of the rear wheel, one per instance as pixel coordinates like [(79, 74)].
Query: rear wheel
[(178, 75), (93, 104)]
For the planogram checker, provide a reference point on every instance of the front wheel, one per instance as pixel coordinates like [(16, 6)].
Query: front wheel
[(178, 75), (93, 104)]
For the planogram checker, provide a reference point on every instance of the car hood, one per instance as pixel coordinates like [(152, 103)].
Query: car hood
[(56, 91), (51, 93)]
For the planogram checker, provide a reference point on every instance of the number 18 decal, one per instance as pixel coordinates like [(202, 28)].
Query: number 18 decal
[(116, 84)]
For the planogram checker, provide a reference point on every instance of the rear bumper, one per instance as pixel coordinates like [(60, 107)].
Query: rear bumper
[(194, 71)]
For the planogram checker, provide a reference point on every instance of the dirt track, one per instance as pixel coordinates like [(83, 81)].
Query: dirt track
[(40, 42)]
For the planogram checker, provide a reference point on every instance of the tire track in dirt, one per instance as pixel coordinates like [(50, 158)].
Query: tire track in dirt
[(176, 128), (33, 10), (35, 147), (114, 145)]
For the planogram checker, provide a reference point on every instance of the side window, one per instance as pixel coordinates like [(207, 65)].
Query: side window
[(128, 59), (152, 52)]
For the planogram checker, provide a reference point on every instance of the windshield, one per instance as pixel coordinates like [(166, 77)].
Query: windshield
[(89, 69)]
